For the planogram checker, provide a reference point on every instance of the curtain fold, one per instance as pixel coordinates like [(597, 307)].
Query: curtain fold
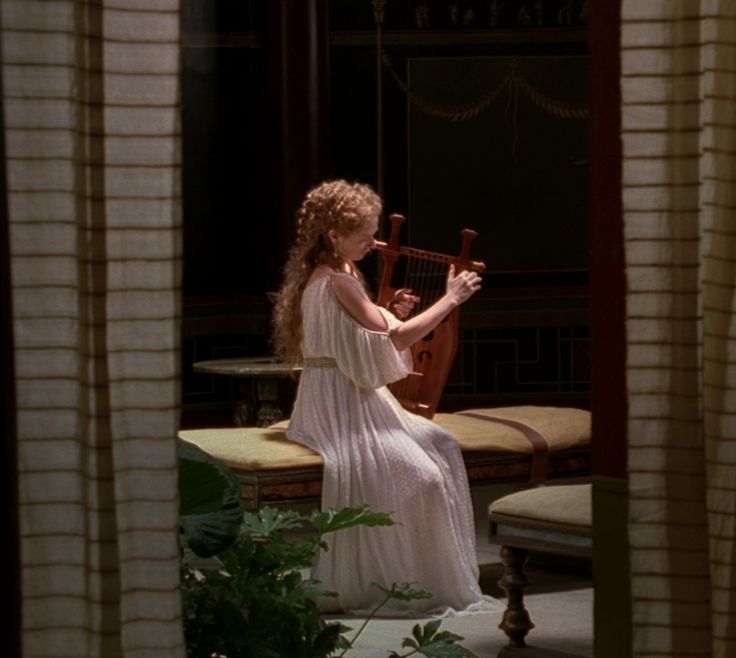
[(679, 199), (91, 100)]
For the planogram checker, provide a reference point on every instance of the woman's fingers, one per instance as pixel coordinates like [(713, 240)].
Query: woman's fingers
[(474, 279), (402, 303), (466, 283), (406, 295)]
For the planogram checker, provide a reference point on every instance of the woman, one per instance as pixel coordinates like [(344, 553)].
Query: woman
[(375, 452)]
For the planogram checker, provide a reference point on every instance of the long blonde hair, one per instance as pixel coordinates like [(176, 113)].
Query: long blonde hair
[(333, 205)]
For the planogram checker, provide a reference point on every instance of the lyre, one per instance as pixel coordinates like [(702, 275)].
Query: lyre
[(421, 391)]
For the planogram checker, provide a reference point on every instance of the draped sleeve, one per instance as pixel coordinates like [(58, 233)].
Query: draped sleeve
[(369, 358)]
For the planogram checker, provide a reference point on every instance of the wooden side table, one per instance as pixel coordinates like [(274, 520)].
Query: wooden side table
[(259, 386)]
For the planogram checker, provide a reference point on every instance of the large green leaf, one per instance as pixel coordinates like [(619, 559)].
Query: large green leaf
[(403, 592), (269, 520), (210, 509), (431, 642), (333, 520)]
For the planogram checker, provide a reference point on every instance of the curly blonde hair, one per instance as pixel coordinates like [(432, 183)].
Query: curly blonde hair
[(333, 205)]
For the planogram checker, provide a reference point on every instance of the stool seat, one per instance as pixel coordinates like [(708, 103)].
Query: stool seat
[(569, 504), (551, 519)]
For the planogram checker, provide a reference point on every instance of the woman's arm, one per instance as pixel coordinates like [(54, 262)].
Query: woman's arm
[(352, 297), (459, 289), (350, 294)]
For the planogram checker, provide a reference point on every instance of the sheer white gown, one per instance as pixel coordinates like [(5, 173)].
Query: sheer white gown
[(378, 454)]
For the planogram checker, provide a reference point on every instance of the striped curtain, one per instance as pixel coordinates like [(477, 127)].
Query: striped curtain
[(91, 102), (679, 195)]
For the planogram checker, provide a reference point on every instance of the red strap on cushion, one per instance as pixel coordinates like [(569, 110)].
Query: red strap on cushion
[(540, 447)]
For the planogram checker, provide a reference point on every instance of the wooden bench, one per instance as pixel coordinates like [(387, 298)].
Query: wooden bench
[(504, 444), (553, 519)]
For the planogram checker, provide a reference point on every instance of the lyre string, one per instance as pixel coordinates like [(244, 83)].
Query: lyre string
[(426, 278)]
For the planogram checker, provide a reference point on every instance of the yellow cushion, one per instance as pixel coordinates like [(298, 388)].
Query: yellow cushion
[(253, 448), (261, 449), (565, 503), (562, 427)]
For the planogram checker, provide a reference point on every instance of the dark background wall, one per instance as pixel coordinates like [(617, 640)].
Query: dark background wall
[(516, 171), (279, 95)]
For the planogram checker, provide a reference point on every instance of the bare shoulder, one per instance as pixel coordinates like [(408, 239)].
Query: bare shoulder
[(345, 284), (351, 295), (319, 272)]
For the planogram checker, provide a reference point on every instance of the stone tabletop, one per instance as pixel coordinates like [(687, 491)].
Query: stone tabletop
[(247, 367)]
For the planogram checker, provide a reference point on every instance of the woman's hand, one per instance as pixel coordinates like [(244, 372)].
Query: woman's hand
[(402, 303), (462, 286)]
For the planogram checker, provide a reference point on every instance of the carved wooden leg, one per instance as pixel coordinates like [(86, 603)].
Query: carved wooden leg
[(516, 622)]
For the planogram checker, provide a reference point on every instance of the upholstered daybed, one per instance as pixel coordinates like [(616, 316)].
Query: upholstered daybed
[(504, 444)]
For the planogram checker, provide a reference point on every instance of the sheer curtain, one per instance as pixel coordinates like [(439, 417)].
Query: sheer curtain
[(679, 170), (91, 102)]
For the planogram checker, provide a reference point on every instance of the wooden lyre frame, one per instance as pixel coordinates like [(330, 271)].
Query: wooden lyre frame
[(421, 391)]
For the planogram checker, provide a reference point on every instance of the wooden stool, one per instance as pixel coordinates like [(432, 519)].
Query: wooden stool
[(550, 519)]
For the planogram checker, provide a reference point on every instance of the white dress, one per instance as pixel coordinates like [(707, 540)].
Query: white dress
[(378, 454)]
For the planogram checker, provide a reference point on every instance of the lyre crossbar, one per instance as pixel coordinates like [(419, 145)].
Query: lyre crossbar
[(425, 272)]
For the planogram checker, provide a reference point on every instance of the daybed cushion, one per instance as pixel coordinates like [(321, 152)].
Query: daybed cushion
[(562, 427), (253, 448), (260, 449)]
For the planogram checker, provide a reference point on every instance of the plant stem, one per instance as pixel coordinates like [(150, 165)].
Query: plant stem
[(364, 624)]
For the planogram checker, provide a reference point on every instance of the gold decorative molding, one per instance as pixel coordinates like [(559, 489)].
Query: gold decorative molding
[(514, 83), (458, 37)]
